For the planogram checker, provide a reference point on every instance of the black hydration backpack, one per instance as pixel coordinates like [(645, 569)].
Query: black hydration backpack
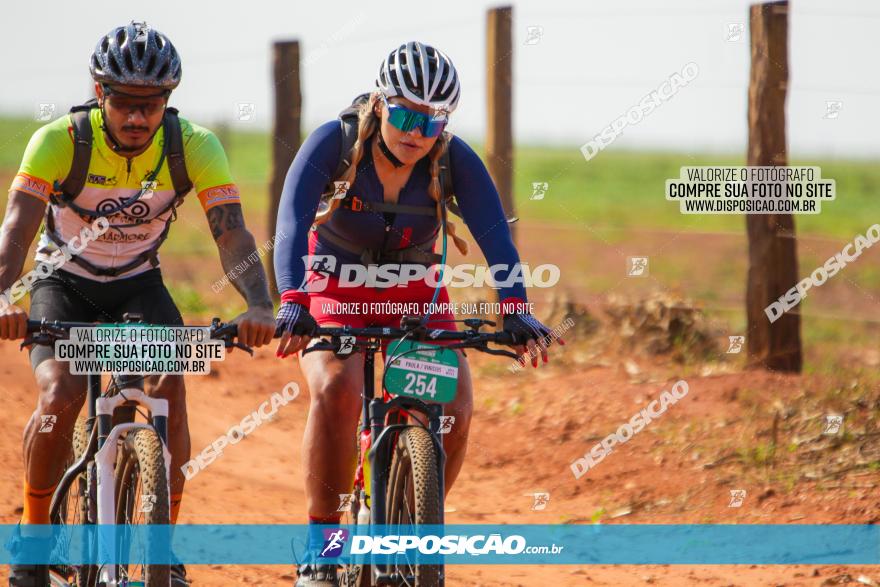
[(67, 191)]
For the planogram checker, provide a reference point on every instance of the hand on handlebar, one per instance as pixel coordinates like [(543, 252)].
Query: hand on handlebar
[(297, 328), (256, 327), (13, 323), (529, 335)]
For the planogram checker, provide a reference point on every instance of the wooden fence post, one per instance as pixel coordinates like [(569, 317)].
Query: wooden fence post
[(499, 106), (773, 267), (287, 128)]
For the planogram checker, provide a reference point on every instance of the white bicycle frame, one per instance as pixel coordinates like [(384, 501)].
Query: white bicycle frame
[(105, 461)]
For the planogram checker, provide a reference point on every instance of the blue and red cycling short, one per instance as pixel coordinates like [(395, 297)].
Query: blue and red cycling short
[(363, 306)]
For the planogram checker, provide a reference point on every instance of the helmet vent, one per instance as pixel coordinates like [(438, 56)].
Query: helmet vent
[(140, 49), (114, 66)]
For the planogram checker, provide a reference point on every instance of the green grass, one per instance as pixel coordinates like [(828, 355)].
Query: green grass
[(14, 136), (618, 189), (626, 190), (611, 198)]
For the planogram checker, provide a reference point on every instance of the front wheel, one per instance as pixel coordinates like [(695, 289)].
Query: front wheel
[(414, 497), (143, 497)]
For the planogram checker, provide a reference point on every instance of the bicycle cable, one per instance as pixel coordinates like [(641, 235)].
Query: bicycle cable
[(424, 319)]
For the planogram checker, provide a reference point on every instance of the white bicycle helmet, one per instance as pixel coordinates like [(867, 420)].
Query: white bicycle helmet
[(422, 74)]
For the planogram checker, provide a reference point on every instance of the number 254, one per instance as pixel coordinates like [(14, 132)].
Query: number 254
[(418, 385)]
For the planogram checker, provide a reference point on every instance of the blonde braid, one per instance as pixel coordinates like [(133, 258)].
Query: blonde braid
[(368, 124), (436, 191)]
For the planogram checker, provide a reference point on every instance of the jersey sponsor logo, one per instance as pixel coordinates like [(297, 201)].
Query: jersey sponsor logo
[(31, 185), (100, 179), (137, 211), (221, 194), (115, 236)]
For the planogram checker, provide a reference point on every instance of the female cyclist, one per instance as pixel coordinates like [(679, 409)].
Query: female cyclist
[(393, 176)]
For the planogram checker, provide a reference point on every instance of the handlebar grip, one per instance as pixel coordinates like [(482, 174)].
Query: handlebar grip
[(231, 329), (225, 330), (504, 337)]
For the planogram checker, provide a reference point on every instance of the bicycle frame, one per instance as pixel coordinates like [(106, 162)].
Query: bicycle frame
[(99, 459), (382, 438), (105, 459), (380, 433)]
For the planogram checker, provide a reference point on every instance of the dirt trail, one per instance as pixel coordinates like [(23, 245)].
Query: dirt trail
[(527, 428)]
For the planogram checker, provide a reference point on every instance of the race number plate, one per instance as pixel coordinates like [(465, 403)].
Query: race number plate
[(424, 372)]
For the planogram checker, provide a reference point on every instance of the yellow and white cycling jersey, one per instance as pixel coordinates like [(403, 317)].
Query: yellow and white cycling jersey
[(112, 178)]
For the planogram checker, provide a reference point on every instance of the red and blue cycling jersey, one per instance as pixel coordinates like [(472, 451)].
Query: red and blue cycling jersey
[(314, 167)]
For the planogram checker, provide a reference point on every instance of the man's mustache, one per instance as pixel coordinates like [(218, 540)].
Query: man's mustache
[(131, 128)]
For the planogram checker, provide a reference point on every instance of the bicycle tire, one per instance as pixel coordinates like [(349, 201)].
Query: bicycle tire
[(414, 493), (75, 575), (142, 472)]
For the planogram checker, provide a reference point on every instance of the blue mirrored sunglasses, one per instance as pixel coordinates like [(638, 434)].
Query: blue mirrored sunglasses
[(404, 119)]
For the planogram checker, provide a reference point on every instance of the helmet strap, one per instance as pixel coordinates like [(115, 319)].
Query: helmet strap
[(387, 152)]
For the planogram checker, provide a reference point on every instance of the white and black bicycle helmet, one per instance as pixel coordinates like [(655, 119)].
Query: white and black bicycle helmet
[(422, 74), (136, 55)]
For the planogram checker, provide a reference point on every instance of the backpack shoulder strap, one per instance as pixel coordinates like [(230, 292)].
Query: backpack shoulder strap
[(82, 152), (446, 183), (176, 160), (348, 121)]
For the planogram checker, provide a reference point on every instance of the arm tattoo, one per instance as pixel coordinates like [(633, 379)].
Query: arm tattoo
[(244, 269), (224, 218), (238, 254)]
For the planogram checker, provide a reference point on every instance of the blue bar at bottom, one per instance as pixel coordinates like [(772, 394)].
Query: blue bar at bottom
[(450, 544)]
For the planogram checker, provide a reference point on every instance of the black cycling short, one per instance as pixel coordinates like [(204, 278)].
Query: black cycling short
[(71, 298)]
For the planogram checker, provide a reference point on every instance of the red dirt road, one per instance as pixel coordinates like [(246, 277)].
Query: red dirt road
[(527, 428)]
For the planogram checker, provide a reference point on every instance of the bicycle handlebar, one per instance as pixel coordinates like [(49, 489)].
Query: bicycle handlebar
[(45, 332), (413, 330)]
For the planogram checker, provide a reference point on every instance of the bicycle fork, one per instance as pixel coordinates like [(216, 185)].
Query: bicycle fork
[(105, 463), (380, 442)]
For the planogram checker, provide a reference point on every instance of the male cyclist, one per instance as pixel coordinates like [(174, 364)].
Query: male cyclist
[(131, 175)]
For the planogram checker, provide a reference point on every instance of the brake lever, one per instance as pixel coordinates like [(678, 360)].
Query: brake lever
[(45, 338), (500, 352), (241, 346), (475, 323)]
